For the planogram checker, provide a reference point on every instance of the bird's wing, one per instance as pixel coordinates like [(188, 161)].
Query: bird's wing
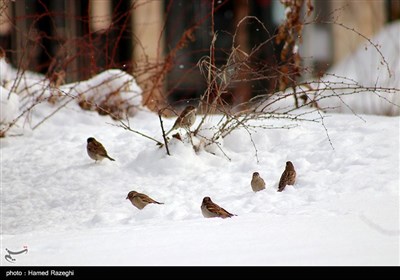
[(100, 149), (214, 208), (147, 199), (282, 181)]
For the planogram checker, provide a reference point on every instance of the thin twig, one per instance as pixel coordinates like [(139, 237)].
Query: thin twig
[(127, 127), (163, 133), (326, 130), (252, 142), (52, 114)]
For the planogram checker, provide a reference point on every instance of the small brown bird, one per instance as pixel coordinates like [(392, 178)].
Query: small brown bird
[(288, 176), (140, 200), (257, 183), (211, 210), (186, 119), (96, 150)]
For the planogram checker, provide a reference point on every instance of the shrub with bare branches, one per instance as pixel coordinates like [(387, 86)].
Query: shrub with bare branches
[(271, 104), (113, 92)]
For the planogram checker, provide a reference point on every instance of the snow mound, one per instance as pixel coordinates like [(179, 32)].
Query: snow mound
[(9, 107), (368, 68), (9, 73), (362, 83), (112, 92)]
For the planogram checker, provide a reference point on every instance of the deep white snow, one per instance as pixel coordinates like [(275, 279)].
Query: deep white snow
[(67, 210)]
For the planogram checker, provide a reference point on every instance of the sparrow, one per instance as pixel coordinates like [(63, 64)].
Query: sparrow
[(140, 200), (288, 176), (211, 210), (96, 150), (257, 183), (186, 119)]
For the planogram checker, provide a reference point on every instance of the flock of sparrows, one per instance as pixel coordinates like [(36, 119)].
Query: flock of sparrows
[(209, 209)]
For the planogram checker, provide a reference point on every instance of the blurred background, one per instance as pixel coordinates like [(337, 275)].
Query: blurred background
[(161, 42)]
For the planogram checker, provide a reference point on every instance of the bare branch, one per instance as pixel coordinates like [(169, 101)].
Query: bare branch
[(163, 132)]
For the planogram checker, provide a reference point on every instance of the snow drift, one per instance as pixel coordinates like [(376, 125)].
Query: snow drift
[(368, 68), (112, 92)]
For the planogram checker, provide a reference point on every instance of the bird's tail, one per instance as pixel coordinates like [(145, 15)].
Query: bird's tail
[(110, 158), (228, 214)]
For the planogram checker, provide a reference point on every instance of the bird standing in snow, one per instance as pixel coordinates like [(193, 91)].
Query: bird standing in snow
[(288, 176), (186, 119), (96, 150), (211, 210), (257, 183), (140, 200)]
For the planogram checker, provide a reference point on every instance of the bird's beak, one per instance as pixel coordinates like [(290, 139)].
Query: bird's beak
[(126, 197)]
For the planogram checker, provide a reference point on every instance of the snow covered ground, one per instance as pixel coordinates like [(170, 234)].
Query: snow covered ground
[(68, 210)]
